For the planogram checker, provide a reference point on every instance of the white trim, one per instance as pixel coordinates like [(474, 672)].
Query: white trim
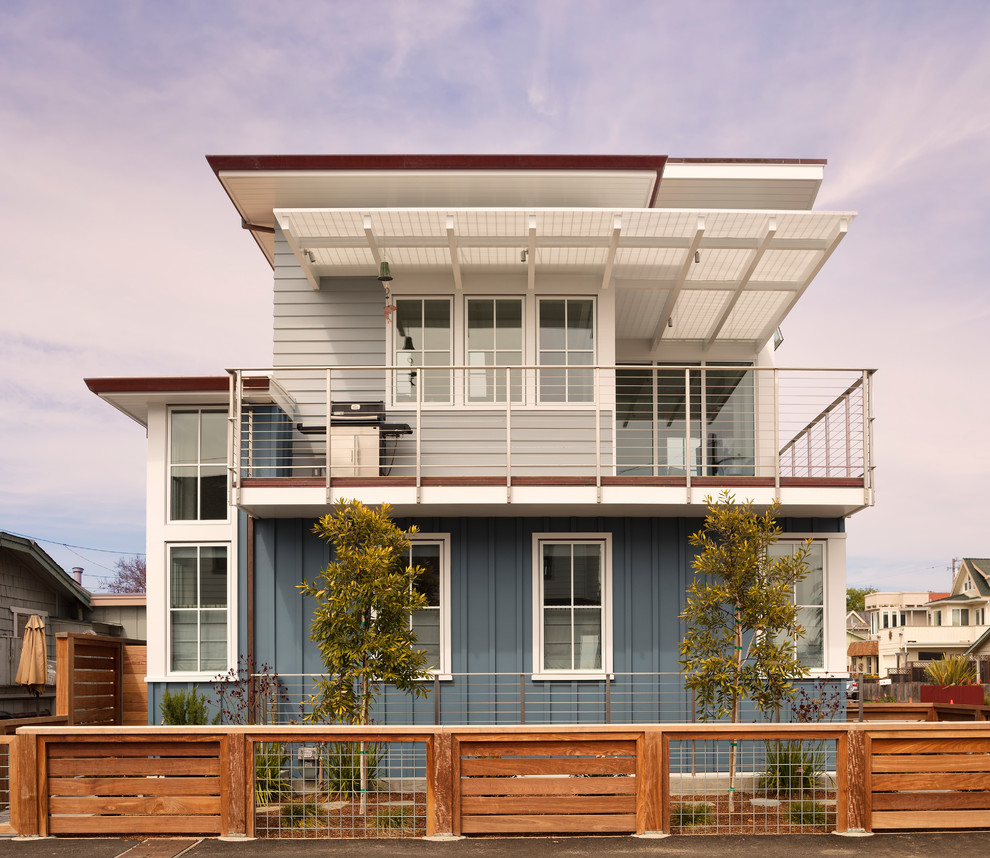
[(605, 540), (443, 672), (199, 409), (231, 610)]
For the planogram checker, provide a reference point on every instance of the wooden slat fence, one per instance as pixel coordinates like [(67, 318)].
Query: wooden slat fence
[(576, 779), (534, 784), (924, 780), (100, 680)]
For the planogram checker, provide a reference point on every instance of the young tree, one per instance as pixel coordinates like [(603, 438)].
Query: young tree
[(741, 618), (130, 575), (365, 598)]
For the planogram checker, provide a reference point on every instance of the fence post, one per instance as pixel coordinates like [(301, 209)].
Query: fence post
[(440, 782), (24, 796), (857, 782), (233, 768), (649, 784)]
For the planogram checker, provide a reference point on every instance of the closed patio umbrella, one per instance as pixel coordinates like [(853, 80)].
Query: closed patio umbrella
[(32, 669)]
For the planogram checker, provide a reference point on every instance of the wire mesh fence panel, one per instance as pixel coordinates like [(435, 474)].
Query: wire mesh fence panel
[(340, 789), (752, 786)]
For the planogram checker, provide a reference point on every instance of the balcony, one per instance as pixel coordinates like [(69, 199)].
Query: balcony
[(564, 439)]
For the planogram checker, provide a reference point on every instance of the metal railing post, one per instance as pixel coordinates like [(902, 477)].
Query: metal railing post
[(234, 439), (687, 431), (327, 445), (598, 435), (508, 435), (608, 698), (436, 699), (522, 698), (776, 435), (419, 437)]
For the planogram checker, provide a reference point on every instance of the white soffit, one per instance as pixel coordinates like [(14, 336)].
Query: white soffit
[(750, 268), (739, 185)]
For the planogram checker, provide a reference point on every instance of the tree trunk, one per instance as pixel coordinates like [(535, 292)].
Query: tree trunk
[(735, 719)]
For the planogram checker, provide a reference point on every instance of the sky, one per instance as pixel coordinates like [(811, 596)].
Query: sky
[(122, 256)]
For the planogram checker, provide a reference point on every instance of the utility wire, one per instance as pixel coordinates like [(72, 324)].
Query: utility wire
[(71, 547)]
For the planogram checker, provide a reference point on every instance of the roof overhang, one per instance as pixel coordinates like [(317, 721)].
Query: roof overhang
[(700, 276), (49, 570), (134, 396)]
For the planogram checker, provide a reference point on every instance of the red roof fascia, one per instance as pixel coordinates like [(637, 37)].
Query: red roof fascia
[(171, 384)]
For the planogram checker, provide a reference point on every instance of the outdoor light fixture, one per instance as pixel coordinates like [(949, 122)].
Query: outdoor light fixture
[(697, 256), (384, 274), (522, 255)]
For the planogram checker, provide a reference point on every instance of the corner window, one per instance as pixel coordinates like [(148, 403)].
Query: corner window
[(494, 338), (571, 592), (197, 608), (566, 338), (198, 465), (422, 339), (809, 596), (432, 623)]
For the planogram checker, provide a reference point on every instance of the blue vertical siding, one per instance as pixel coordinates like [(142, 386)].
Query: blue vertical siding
[(492, 611)]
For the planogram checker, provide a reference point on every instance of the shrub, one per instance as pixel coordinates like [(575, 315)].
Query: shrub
[(300, 813), (953, 670), (395, 817), (808, 813), (792, 766), (270, 786), (342, 767), (181, 708), (692, 813)]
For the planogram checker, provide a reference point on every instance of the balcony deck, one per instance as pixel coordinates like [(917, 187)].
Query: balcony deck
[(518, 440)]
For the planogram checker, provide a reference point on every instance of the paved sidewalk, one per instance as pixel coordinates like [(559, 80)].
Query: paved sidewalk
[(958, 845)]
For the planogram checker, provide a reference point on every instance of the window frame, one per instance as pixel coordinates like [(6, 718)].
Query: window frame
[(443, 671), (199, 410), (395, 352), (539, 350), (495, 401), (229, 609), (539, 673), (796, 543)]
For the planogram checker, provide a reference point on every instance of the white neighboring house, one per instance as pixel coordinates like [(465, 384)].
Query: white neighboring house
[(924, 626)]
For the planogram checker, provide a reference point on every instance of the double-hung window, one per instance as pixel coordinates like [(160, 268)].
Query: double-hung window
[(197, 608), (198, 464), (809, 596), (432, 623), (571, 595), (494, 338), (423, 339), (566, 338)]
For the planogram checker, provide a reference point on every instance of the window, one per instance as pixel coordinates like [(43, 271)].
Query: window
[(960, 616), (936, 618), (197, 608), (809, 596), (566, 336), (572, 622), (494, 338), (198, 465), (432, 624), (422, 339)]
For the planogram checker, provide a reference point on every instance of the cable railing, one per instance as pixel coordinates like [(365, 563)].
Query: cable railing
[(513, 425), (478, 699)]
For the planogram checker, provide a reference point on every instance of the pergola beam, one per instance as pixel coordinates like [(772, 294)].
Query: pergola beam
[(369, 235), (301, 254), (668, 305), (613, 245), (455, 264), (531, 255), (743, 282), (809, 274)]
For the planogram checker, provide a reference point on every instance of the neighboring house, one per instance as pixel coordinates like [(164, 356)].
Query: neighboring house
[(912, 627), (32, 583), (574, 353), (128, 611)]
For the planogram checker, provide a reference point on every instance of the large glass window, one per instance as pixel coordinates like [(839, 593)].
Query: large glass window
[(197, 608), (422, 339), (494, 338), (572, 628), (566, 337), (674, 420), (809, 596), (432, 623), (198, 465)]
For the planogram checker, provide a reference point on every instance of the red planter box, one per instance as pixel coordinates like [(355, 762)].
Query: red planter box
[(971, 694)]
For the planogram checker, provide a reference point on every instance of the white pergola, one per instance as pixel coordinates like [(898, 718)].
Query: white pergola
[(680, 275)]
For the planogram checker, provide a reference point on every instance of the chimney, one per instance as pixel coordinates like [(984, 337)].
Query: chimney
[(77, 574)]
